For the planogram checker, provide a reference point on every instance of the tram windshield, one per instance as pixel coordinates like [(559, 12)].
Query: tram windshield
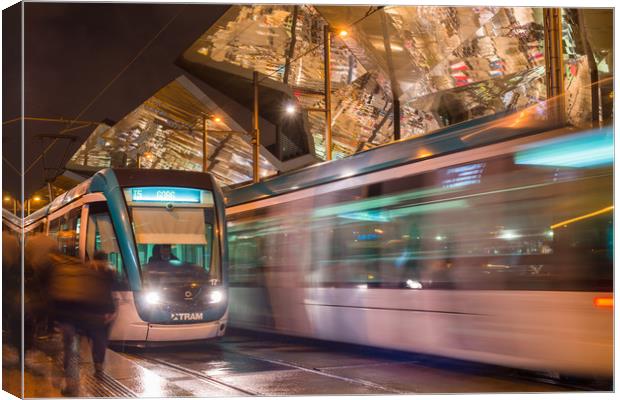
[(176, 240)]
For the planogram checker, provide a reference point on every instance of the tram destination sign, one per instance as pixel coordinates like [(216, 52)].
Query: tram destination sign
[(165, 194)]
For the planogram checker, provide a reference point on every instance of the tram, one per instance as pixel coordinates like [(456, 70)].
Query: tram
[(499, 253), (164, 234)]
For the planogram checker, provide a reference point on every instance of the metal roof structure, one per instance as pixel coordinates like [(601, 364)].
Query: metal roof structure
[(166, 132), (443, 64), (437, 65)]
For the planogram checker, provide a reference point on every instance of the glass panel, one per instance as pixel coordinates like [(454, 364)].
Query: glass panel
[(65, 230), (101, 243), (176, 243)]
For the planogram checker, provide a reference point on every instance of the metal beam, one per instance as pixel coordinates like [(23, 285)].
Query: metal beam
[(594, 83), (205, 144), (554, 68), (393, 82), (291, 48), (327, 35), (256, 135)]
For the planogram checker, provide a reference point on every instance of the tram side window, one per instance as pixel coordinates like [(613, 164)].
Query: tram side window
[(66, 230), (244, 260), (101, 242), (53, 229)]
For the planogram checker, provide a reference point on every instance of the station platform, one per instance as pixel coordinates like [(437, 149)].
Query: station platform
[(122, 377)]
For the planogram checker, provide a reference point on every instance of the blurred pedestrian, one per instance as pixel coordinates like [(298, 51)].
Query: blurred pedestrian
[(82, 297), (99, 333), (37, 269), (11, 297)]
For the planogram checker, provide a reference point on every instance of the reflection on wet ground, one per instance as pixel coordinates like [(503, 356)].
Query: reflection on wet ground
[(268, 365), (245, 363)]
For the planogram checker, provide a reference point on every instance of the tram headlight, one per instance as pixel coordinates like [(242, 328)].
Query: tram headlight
[(216, 296), (152, 298)]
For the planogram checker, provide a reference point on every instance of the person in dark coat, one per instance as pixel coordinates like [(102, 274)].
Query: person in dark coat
[(11, 296), (84, 306), (37, 269)]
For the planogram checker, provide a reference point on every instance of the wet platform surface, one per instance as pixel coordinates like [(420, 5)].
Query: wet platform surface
[(273, 366), (245, 364)]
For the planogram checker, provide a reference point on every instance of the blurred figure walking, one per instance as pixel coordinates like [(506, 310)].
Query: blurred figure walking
[(11, 298), (83, 306), (37, 269)]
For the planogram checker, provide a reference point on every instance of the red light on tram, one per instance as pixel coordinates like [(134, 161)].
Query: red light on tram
[(604, 301)]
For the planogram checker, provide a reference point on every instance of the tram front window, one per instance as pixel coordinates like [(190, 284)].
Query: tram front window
[(176, 244)]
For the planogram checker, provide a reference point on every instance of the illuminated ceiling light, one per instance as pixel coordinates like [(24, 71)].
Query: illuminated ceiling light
[(290, 109), (439, 237), (217, 119), (36, 198), (7, 198), (343, 33)]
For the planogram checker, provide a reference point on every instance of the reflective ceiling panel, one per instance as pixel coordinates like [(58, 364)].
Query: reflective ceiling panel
[(262, 37), (451, 57), (479, 60), (166, 132)]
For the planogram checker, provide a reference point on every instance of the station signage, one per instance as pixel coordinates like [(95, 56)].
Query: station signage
[(165, 194)]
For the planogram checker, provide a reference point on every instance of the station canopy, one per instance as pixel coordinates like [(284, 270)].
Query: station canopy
[(166, 132), (443, 64), (438, 65)]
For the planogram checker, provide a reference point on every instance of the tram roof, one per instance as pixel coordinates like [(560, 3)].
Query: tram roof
[(128, 177), (470, 134)]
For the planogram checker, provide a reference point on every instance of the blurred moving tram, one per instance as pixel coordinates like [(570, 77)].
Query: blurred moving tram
[(164, 234), (483, 242)]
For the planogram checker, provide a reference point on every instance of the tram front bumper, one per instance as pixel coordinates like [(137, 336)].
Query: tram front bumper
[(174, 333)]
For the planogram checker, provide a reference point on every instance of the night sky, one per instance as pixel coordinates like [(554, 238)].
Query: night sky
[(72, 52)]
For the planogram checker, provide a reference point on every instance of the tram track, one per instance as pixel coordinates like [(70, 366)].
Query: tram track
[(318, 371), (196, 374), (426, 362)]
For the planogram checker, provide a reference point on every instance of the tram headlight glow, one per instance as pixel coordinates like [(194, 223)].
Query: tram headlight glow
[(152, 298), (216, 296)]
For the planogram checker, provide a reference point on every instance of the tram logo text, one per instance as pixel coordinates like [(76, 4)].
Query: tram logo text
[(186, 316)]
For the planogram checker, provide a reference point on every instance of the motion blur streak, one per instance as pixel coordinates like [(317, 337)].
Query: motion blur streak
[(592, 214), (452, 255)]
